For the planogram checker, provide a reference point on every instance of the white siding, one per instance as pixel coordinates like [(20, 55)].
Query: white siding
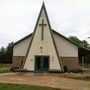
[(47, 48), (64, 47), (20, 49)]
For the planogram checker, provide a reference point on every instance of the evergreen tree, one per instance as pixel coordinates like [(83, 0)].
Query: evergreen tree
[(6, 53)]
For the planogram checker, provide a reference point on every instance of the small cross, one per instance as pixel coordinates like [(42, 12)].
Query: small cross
[(42, 26)]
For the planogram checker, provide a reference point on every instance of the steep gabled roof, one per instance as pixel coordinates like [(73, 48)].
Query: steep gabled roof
[(30, 44), (53, 32), (82, 50)]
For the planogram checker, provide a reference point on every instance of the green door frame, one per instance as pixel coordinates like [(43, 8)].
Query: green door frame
[(42, 68)]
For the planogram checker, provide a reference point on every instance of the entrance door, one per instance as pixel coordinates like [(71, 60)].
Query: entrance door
[(41, 63)]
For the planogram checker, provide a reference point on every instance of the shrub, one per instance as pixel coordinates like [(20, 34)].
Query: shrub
[(76, 71), (14, 69), (65, 68)]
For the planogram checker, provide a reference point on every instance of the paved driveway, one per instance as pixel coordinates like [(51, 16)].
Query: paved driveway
[(51, 80)]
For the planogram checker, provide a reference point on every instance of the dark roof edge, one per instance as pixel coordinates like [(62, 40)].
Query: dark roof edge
[(22, 39), (66, 38), (70, 41), (85, 48), (54, 32)]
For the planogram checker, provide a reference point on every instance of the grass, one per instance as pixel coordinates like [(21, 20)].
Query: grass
[(4, 86), (78, 76), (87, 66), (4, 68)]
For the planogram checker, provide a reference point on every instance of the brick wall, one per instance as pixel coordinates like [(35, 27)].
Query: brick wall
[(71, 62), (17, 60)]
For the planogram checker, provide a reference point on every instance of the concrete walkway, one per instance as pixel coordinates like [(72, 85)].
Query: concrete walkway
[(49, 80)]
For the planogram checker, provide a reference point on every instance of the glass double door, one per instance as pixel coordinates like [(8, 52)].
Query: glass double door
[(41, 63)]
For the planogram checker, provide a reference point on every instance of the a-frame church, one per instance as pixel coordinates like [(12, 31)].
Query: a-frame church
[(45, 49)]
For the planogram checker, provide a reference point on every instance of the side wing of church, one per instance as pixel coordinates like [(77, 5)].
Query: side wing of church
[(45, 49)]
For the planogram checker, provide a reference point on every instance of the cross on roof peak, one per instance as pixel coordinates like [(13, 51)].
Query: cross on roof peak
[(42, 28)]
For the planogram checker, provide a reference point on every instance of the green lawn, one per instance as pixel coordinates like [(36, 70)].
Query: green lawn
[(4, 86), (87, 66), (85, 77), (5, 68)]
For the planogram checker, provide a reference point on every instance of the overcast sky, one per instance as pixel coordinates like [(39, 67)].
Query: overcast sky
[(68, 17)]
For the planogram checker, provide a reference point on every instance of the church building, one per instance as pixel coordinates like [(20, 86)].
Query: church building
[(45, 49)]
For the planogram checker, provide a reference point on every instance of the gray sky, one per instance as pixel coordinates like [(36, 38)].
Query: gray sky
[(68, 17)]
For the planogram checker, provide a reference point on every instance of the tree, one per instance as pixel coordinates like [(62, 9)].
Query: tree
[(76, 40), (82, 44), (85, 44), (6, 53), (9, 52), (2, 53)]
